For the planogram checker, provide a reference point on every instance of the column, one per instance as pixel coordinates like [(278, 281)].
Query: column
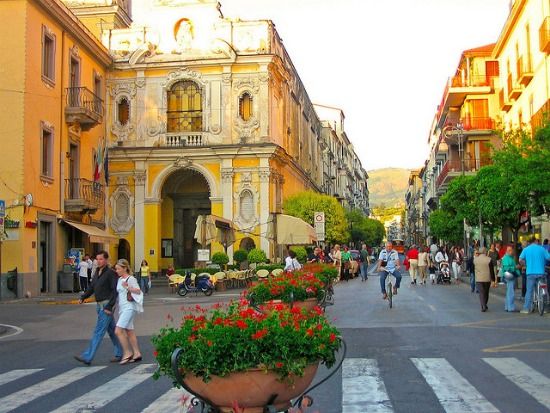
[(264, 173), (139, 226), (227, 174)]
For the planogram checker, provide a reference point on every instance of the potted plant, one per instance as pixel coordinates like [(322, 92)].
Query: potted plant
[(221, 353), (256, 256), (297, 289), (220, 258), (240, 257)]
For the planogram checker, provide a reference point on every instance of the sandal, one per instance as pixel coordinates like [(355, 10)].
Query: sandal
[(126, 360), (135, 360)]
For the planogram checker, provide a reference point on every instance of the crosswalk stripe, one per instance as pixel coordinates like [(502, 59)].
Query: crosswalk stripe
[(173, 401), (31, 393), (523, 376), (16, 374), (362, 387), (104, 394), (453, 391)]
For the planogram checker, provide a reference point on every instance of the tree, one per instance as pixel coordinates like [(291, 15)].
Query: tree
[(370, 231), (304, 204), (447, 226)]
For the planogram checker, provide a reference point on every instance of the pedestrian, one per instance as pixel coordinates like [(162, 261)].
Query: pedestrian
[(509, 274), (365, 262), (482, 264), (534, 258), (127, 311), (412, 256), (315, 256), (493, 254), (471, 271), (83, 267), (337, 260), (90, 265), (103, 287), (545, 245), (456, 263), (145, 276), (291, 263), (423, 262), (346, 263)]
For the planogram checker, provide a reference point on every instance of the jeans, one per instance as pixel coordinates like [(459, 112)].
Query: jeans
[(364, 267), (509, 301), (144, 283), (531, 283), (105, 324), (473, 281), (384, 274)]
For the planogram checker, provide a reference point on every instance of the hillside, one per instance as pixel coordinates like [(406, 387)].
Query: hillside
[(388, 186)]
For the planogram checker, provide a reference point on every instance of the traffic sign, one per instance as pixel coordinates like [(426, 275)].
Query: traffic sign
[(319, 225), (319, 217)]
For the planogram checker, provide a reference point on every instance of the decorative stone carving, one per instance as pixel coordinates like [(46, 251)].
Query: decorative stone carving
[(227, 175), (215, 129), (246, 199), (122, 207), (264, 174), (246, 85), (264, 77), (139, 178), (226, 78), (246, 177), (182, 74), (74, 51), (246, 129)]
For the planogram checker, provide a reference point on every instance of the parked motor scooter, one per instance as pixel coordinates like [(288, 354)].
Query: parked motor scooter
[(202, 284)]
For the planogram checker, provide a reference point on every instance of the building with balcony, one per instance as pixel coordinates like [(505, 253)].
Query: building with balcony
[(414, 210), (52, 92)]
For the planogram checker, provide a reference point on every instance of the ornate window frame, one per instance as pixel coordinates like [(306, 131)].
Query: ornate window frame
[(121, 227), (119, 92), (246, 128), (245, 185)]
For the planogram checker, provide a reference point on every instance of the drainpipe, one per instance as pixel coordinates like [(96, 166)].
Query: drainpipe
[(61, 153)]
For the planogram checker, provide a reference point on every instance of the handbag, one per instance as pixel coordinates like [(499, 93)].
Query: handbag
[(129, 296)]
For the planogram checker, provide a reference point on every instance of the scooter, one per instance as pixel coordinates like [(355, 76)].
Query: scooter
[(202, 284)]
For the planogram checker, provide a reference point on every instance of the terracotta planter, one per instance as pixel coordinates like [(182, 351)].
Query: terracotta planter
[(308, 304), (251, 390)]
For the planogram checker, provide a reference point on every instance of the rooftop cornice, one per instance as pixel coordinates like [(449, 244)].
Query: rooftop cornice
[(509, 25)]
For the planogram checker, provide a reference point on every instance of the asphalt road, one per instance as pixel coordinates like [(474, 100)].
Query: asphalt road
[(433, 352)]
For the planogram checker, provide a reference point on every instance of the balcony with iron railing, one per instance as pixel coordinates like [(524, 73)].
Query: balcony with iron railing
[(83, 107), (179, 139), (514, 89), (524, 69), (83, 195), (544, 35), (455, 167)]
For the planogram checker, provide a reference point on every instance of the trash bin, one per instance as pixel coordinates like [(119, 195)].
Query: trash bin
[(66, 279)]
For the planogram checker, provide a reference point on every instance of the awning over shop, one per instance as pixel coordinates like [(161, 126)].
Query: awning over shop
[(293, 231), (96, 235), (214, 228)]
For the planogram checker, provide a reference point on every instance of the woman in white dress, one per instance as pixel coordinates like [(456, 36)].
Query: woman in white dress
[(127, 310)]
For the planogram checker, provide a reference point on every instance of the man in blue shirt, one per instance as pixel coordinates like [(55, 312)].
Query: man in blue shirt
[(534, 257), (389, 259)]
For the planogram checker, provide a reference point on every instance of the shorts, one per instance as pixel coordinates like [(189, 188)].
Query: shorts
[(126, 319)]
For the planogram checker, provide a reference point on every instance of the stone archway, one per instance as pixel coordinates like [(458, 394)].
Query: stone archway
[(124, 250), (185, 195), (247, 244)]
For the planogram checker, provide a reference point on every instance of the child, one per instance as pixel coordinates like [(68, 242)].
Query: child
[(431, 268)]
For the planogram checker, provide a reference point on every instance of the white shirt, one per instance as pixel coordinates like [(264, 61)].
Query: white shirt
[(440, 256), (83, 268), (292, 264)]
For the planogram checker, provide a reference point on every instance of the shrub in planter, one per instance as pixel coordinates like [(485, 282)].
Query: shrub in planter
[(287, 287), (235, 339), (256, 256), (325, 272), (240, 256), (220, 258), (301, 254)]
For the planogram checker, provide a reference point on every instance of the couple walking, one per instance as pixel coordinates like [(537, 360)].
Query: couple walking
[(114, 288)]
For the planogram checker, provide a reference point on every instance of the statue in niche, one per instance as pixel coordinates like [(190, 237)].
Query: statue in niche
[(183, 34)]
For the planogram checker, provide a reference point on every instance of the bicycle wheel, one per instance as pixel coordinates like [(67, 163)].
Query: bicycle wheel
[(389, 291), (540, 298)]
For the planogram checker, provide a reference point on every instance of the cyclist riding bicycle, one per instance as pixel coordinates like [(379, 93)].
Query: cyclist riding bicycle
[(534, 257), (389, 260)]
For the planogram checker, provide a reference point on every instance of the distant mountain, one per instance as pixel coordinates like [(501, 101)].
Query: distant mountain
[(388, 186)]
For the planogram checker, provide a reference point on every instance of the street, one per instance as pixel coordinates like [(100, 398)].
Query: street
[(433, 352)]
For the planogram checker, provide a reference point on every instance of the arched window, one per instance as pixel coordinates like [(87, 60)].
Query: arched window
[(123, 111), (246, 204), (245, 106), (184, 107)]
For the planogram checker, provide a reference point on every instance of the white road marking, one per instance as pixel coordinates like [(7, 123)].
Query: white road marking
[(173, 401), (453, 391), (31, 393), (431, 307), (363, 389), (17, 331), (104, 394), (421, 298), (16, 374), (523, 376)]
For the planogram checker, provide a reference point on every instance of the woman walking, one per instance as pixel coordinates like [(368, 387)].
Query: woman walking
[(509, 265), (127, 286), (423, 261), (493, 254), (337, 260), (457, 263), (145, 277)]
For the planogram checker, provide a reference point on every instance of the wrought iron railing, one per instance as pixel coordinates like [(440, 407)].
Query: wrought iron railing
[(82, 97), (89, 192)]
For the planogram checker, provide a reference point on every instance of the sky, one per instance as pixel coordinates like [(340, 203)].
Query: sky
[(385, 63)]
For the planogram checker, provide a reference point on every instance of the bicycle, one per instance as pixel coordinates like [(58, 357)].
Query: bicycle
[(389, 286), (540, 295)]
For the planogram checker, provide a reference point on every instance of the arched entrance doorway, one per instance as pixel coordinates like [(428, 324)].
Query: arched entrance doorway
[(124, 250), (185, 196), (247, 244)]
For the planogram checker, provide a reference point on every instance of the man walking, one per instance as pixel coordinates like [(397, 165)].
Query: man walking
[(83, 267), (483, 276), (103, 286), (534, 258), (364, 264)]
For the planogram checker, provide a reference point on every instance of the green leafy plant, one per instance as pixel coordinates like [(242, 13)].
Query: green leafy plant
[(256, 256), (240, 256), (301, 253), (238, 338), (220, 258)]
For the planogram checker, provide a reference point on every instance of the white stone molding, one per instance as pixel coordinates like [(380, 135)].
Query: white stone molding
[(122, 207), (139, 233), (246, 220), (124, 90), (227, 175), (213, 185)]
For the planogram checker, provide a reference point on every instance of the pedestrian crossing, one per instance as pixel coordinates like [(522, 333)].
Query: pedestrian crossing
[(363, 387)]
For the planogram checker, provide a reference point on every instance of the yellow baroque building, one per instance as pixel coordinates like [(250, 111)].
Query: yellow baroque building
[(205, 116)]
